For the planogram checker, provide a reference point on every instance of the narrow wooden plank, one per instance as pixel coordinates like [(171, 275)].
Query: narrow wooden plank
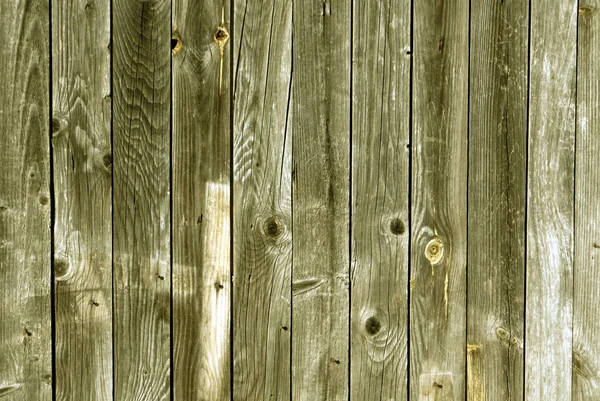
[(262, 200), (549, 296), (201, 200), (586, 267), (439, 200), (25, 323), (497, 195), (81, 143), (141, 247), (380, 172), (321, 152)]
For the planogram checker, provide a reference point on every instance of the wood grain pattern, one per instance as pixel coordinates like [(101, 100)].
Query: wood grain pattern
[(201, 201), (262, 200), (586, 266), (380, 225), (25, 322), (549, 307), (81, 143), (439, 200), (141, 139), (321, 147), (497, 195)]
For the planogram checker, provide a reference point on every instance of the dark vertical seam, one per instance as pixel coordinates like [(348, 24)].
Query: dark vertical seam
[(290, 104), (112, 195), (171, 342), (526, 203), (350, 177), (409, 200), (231, 197), (574, 196), (466, 383), (52, 207)]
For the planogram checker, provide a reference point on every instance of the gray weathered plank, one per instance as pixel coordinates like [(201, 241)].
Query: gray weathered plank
[(320, 268), (82, 152), (141, 247), (25, 322), (439, 200), (497, 191), (549, 311), (380, 173), (586, 266), (201, 200), (262, 200)]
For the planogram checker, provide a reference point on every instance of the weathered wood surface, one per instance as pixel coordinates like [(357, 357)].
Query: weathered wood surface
[(141, 247), (380, 192), (586, 266), (25, 240), (439, 200), (320, 180), (549, 291), (497, 195), (81, 144), (262, 200), (201, 200)]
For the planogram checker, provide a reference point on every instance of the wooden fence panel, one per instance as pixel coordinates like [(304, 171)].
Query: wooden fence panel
[(320, 178), (439, 200), (201, 200), (81, 143), (262, 200), (25, 314), (586, 266), (380, 199), (141, 142), (549, 292), (497, 195)]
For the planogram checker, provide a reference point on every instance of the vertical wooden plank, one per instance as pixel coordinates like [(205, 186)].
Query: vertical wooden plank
[(439, 208), (497, 191), (549, 305), (380, 171), (586, 267), (81, 144), (25, 323), (141, 138), (262, 200), (321, 126), (201, 200)]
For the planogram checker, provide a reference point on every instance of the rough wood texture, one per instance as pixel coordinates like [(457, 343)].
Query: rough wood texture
[(586, 268), (497, 192), (201, 200), (321, 127), (141, 137), (380, 225), (81, 146), (439, 200), (25, 316), (549, 308), (262, 200)]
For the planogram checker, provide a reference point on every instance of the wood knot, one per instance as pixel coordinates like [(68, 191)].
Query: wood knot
[(272, 227), (55, 125), (61, 268), (434, 251), (397, 226), (176, 44), (221, 36), (107, 160), (372, 325), (43, 199), (585, 9)]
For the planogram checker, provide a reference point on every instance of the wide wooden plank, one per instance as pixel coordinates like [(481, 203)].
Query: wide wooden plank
[(201, 200), (25, 241), (586, 266), (380, 173), (81, 143), (497, 194), (549, 292), (262, 232), (141, 245), (321, 152), (439, 200)]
